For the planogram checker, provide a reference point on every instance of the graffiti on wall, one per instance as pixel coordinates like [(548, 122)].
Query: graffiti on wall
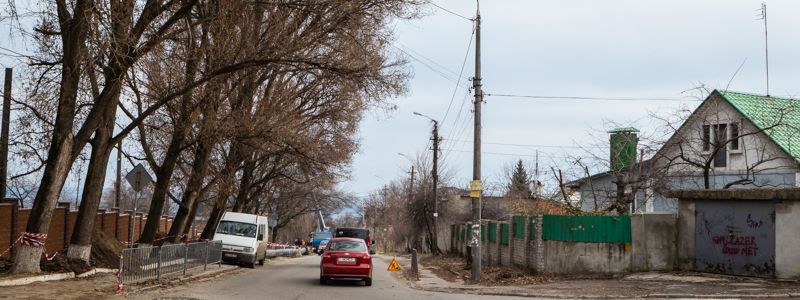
[(736, 245)]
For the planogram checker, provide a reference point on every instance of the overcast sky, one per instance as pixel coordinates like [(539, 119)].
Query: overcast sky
[(633, 49), (630, 49)]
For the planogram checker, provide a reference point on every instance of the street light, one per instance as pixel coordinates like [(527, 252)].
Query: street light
[(435, 175)]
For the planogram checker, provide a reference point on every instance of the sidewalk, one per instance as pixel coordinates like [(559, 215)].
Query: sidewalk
[(637, 285), (103, 285)]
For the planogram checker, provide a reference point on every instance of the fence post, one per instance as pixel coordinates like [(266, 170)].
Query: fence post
[(414, 265), (540, 261), (158, 264), (205, 261), (185, 257)]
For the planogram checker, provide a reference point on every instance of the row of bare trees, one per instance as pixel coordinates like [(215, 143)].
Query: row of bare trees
[(245, 105)]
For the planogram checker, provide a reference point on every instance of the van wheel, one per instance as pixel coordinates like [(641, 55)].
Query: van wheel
[(323, 280), (368, 282), (251, 265)]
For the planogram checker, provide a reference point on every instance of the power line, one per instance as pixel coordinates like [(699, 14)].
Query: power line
[(406, 47), (450, 11), (508, 154), (460, 73), (426, 64), (595, 98), (526, 145)]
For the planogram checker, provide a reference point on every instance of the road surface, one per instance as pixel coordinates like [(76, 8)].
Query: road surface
[(298, 278)]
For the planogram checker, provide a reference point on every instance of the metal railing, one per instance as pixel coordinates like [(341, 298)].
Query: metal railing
[(283, 252), (144, 263)]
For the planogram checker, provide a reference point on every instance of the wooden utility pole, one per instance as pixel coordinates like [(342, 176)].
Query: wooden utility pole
[(476, 156), (435, 173), (4, 133)]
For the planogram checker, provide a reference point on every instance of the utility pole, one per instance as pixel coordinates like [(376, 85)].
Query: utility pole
[(476, 157), (435, 173), (4, 133), (118, 184)]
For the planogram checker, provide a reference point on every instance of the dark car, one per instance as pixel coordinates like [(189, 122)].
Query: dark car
[(346, 258)]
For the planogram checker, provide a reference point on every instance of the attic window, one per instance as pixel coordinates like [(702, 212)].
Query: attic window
[(734, 132), (706, 137)]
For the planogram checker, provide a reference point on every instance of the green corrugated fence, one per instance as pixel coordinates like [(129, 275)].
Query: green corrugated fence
[(504, 233), (492, 232), (588, 229), (519, 226)]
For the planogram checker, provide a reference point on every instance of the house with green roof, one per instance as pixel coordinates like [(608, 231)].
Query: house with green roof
[(732, 140)]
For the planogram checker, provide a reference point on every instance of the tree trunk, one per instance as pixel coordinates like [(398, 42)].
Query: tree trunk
[(163, 178), (193, 187), (244, 186), (73, 28), (81, 242), (213, 219), (274, 234)]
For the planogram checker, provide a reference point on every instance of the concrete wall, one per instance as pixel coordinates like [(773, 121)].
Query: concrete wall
[(686, 220), (578, 258), (653, 248), (654, 238), (787, 240)]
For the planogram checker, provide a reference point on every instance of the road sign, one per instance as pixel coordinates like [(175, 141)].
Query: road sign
[(393, 266), (138, 177)]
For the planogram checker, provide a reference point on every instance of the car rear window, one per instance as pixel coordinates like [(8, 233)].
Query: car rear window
[(347, 246)]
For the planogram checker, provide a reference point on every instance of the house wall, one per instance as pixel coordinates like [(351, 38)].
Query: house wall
[(756, 150), (603, 190)]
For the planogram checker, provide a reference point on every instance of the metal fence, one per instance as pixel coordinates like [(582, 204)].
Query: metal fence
[(282, 252), (145, 263)]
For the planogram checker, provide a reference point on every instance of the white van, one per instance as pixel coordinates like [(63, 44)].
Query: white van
[(244, 238)]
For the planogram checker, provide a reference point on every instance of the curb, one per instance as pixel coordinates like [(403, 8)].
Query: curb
[(38, 278), (661, 296), (95, 271)]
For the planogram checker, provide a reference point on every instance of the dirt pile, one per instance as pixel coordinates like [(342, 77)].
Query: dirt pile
[(106, 250), (5, 264), (61, 263), (454, 268)]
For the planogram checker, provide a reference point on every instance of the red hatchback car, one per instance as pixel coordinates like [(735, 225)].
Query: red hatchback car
[(346, 258)]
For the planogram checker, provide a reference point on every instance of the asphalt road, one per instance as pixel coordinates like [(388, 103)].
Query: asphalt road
[(298, 278)]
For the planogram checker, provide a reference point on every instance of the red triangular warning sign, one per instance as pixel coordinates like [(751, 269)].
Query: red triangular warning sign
[(393, 266)]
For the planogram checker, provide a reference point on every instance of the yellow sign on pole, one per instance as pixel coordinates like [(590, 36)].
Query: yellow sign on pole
[(475, 188), (475, 185), (393, 266)]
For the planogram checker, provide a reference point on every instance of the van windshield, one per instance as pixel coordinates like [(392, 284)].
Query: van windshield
[(237, 228)]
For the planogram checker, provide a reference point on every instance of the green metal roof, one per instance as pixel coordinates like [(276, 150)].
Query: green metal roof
[(779, 118)]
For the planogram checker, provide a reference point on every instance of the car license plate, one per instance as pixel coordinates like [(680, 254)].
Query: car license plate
[(230, 255), (347, 260)]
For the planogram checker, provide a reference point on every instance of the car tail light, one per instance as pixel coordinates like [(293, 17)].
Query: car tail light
[(364, 259)]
